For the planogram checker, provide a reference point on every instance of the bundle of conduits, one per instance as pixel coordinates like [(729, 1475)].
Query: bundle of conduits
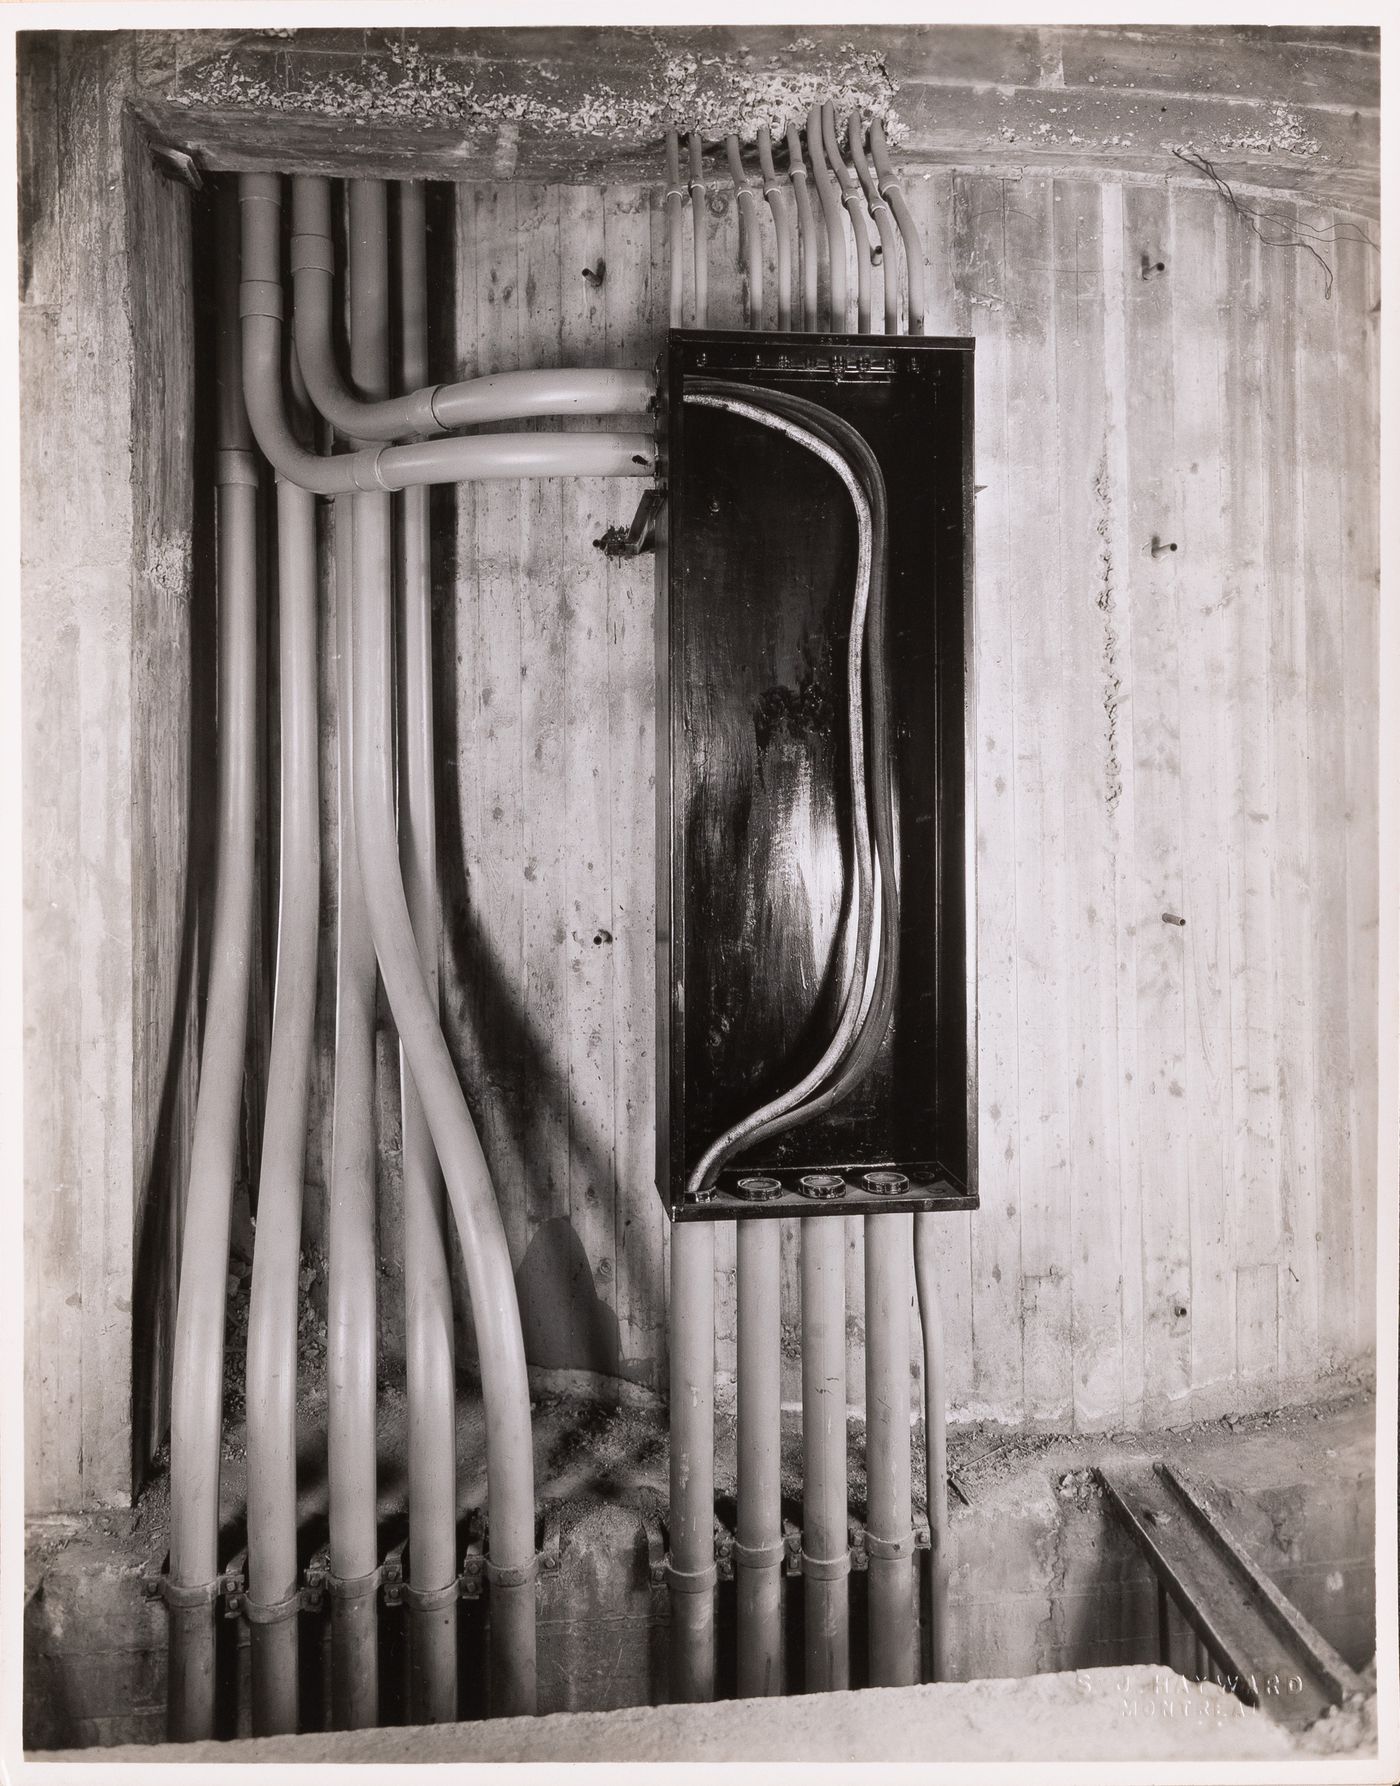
[(283, 399)]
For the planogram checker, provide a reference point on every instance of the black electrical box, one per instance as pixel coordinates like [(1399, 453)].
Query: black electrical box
[(759, 569)]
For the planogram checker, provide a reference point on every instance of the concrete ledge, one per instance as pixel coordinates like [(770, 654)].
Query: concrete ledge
[(1103, 1714)]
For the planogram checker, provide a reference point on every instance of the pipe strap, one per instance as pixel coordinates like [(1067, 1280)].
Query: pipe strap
[(876, 206), (500, 1575), (691, 1581), (430, 1599), (275, 1612), (827, 1568), (759, 1556), (889, 1547), (260, 297), (312, 254), (354, 1587), (180, 1597), (236, 465), (673, 192)]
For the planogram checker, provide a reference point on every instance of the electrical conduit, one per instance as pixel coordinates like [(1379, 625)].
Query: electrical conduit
[(835, 234), (425, 409), (749, 231), (274, 1598), (806, 227), (893, 193), (431, 1587), (777, 203), (198, 1363), (675, 203), (884, 221), (850, 198), (700, 231)]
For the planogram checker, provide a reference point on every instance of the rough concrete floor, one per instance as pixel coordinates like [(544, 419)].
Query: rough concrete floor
[(1100, 1715)]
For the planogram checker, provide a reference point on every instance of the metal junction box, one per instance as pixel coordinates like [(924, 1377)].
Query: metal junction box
[(757, 564)]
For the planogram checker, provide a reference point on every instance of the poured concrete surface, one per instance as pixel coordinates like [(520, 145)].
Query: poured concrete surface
[(1136, 1714)]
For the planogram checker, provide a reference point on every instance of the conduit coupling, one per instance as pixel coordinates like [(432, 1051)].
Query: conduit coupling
[(759, 1556), (826, 1568)]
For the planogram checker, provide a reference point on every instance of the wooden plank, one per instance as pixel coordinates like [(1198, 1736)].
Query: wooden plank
[(1254, 1235), (588, 911), (495, 743), (1321, 423), (994, 1338), (547, 1283), (1035, 582), (1118, 640), (1291, 889), (631, 312), (1150, 592), (1356, 294), (1092, 782), (1195, 536)]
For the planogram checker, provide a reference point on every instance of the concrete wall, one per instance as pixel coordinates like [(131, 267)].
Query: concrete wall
[(107, 518), (1178, 1122)]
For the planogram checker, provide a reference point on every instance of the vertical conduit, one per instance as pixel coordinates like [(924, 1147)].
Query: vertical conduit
[(893, 193), (352, 1296), (889, 1531), (691, 1569), (806, 227), (884, 222), (850, 198), (826, 1557), (431, 1587), (758, 1548), (837, 317), (777, 203), (273, 1599), (935, 1438), (198, 1364), (700, 231), (749, 230), (675, 203)]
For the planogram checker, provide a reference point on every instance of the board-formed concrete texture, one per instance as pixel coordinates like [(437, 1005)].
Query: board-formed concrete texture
[(1108, 1714)]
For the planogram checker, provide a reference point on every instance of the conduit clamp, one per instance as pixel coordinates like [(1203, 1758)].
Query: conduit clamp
[(792, 1544), (177, 1596), (354, 1587), (429, 1599), (318, 1571), (760, 1556), (887, 1547), (473, 1562), (826, 1568), (275, 1611), (724, 1552), (691, 1581), (855, 1544)]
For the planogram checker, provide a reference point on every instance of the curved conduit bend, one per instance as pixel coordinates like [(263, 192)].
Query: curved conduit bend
[(428, 409), (806, 227), (749, 230), (274, 1597), (893, 192), (777, 204), (740, 1134), (850, 198), (511, 1562), (828, 193), (884, 221), (198, 1361), (870, 972)]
